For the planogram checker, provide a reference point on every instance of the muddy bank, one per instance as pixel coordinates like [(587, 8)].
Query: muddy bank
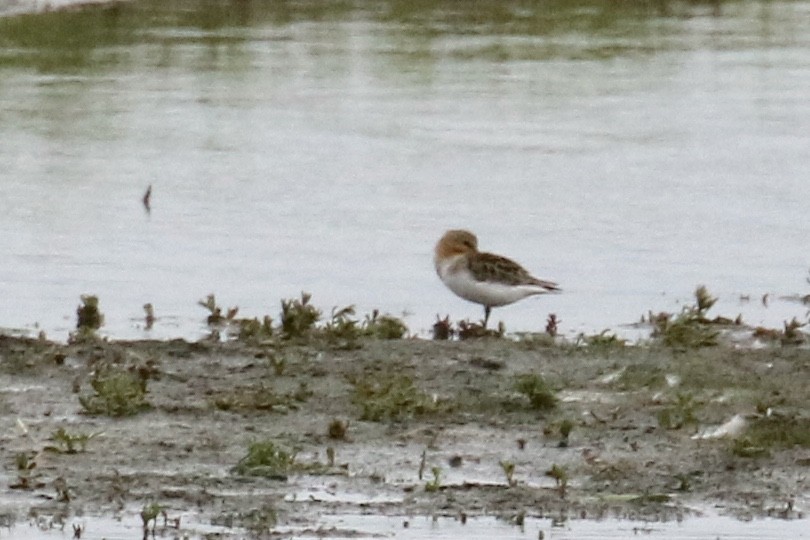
[(261, 437)]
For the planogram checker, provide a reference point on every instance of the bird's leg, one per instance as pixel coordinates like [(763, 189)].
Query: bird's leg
[(487, 309)]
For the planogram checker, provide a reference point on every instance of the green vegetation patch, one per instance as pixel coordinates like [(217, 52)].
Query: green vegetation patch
[(117, 393), (298, 317), (261, 398), (541, 396), (681, 412), (690, 329), (779, 431), (384, 326), (70, 443), (266, 458), (393, 398), (637, 376)]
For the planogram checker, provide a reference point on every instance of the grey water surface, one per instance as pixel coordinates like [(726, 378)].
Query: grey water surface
[(630, 151)]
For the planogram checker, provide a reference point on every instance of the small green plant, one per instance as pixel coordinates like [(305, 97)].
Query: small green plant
[(703, 301), (393, 398), (150, 513), (88, 315), (509, 471), (745, 448), (560, 476), (71, 443), (259, 522), (636, 376), (777, 431), (215, 316), (680, 413), (260, 398), (254, 330), (601, 342), (117, 393), (792, 334), (535, 388), (25, 463), (473, 330), (342, 328), (384, 326), (690, 328), (431, 486), (443, 329), (278, 363), (265, 458), (298, 317), (565, 430), (62, 489)]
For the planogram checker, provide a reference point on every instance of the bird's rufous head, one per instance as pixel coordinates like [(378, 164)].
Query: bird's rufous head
[(456, 242)]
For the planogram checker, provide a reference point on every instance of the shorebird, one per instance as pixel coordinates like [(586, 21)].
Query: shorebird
[(483, 278)]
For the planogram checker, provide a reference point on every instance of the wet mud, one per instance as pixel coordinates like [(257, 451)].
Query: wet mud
[(397, 428)]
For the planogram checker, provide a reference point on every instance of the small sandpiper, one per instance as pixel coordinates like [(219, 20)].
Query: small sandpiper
[(483, 278)]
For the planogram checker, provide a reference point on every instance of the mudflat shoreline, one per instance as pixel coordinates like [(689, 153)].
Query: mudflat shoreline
[(266, 434)]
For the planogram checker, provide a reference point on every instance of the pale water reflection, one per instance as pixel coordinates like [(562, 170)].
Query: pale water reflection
[(346, 526), (629, 153)]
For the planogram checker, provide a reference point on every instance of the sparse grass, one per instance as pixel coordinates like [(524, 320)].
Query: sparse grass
[(775, 432), (473, 330), (393, 398), (300, 323), (535, 388), (443, 329), (680, 413), (298, 317), (26, 465), (215, 316), (602, 342), (508, 469), (384, 326), (150, 513), (117, 393), (435, 484), (279, 363), (342, 329), (71, 443), (89, 318), (88, 315), (266, 458), (560, 476), (636, 376), (566, 426), (271, 460), (792, 334), (690, 329), (745, 448), (258, 522), (261, 398), (254, 330)]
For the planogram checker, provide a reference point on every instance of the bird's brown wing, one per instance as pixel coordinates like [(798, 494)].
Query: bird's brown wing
[(491, 267)]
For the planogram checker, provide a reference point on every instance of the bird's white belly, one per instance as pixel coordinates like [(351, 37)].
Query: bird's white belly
[(488, 293)]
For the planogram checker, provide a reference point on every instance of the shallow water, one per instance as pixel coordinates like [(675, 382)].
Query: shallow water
[(489, 527), (405, 527), (629, 154)]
